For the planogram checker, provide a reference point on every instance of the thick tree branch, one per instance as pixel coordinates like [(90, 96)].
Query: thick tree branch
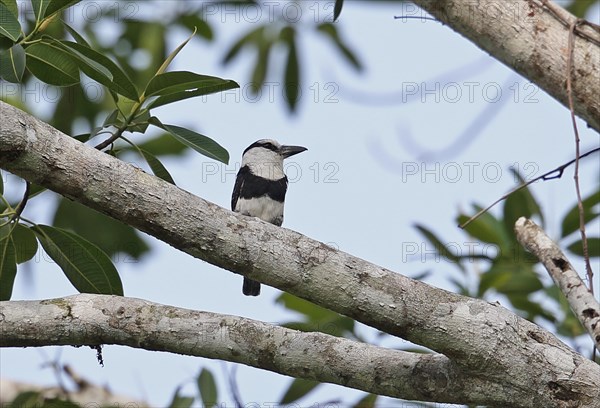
[(96, 319), (581, 300), (533, 40), (488, 340)]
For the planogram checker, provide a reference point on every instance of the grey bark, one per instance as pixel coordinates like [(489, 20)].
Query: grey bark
[(484, 339), (88, 320), (580, 299), (530, 38)]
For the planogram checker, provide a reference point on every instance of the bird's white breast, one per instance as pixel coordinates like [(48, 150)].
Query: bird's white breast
[(263, 207)]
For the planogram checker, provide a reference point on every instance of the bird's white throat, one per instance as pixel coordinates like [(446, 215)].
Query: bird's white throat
[(264, 163)]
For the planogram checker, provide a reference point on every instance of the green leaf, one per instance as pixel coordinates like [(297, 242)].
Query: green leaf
[(102, 69), (39, 8), (59, 403), (486, 228), (207, 388), (316, 317), (179, 96), (421, 275), (298, 389), (51, 64), (331, 31), (86, 266), (461, 288), (27, 399), (368, 401), (176, 81), (163, 145), (140, 122), (292, 68), (88, 65), (112, 119), (179, 85), (533, 309), (252, 36), (8, 263), (259, 74), (570, 223), (519, 204), (196, 141), (157, 167), (9, 25), (569, 325), (580, 8), (194, 21), (24, 242), (508, 277), (78, 38), (439, 246), (294, 303), (35, 190), (12, 63), (118, 240), (11, 5), (173, 54), (337, 9), (179, 401), (57, 5), (593, 247)]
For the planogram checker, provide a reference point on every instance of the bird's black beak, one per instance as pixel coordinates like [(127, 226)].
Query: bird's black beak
[(287, 151)]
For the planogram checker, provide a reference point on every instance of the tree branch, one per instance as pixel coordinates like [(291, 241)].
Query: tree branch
[(485, 339), (531, 38), (83, 320), (580, 298)]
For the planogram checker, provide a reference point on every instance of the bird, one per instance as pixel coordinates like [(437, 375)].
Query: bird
[(260, 188)]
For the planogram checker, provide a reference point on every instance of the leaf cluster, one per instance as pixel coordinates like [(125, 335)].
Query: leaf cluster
[(35, 45), (284, 34), (505, 268)]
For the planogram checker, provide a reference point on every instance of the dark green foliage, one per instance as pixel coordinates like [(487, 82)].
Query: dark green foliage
[(180, 401), (207, 388), (12, 63), (86, 239), (368, 401), (299, 388), (8, 263), (316, 318), (86, 266), (117, 240), (262, 40), (505, 267)]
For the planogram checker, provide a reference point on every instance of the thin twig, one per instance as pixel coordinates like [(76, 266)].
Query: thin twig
[(417, 17), (122, 128), (111, 139), (22, 204), (586, 255), (564, 17), (545, 177)]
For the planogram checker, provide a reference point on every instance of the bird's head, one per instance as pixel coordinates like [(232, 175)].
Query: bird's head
[(265, 157)]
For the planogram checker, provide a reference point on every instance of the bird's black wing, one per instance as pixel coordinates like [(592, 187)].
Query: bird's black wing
[(237, 188)]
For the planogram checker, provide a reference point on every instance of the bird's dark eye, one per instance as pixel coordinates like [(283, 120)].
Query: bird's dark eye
[(264, 145), (269, 146)]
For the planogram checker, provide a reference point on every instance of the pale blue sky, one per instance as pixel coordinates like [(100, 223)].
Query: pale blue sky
[(357, 187)]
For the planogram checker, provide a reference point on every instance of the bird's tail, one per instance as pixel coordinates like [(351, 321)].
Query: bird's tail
[(251, 288)]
